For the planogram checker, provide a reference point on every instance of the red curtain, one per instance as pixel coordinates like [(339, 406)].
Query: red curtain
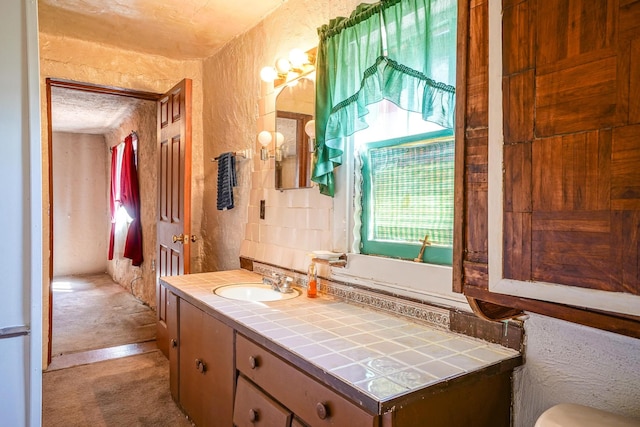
[(112, 200), (130, 199)]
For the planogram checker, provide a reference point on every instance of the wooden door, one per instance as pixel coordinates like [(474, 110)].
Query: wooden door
[(174, 195)]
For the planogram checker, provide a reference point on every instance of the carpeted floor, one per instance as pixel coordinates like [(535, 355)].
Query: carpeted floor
[(92, 311), (130, 391)]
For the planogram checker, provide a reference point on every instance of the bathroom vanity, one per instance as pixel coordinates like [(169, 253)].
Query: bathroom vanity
[(324, 362)]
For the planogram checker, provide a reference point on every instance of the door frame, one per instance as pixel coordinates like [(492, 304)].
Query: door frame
[(83, 87)]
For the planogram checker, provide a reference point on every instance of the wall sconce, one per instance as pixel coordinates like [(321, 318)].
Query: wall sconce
[(288, 69), (264, 138), (310, 130)]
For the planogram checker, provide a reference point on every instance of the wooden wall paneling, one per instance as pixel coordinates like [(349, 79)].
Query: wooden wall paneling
[(576, 99), (518, 36), (574, 249), (516, 259), (625, 170), (459, 214), (625, 225), (517, 177), (546, 174), (475, 236), (581, 169), (569, 29), (634, 81), (518, 104), (476, 274), (477, 108), (517, 211)]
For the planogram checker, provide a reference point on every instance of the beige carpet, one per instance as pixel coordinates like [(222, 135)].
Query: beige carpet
[(92, 311), (130, 391)]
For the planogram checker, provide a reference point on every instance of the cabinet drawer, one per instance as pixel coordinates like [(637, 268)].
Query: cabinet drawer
[(254, 408), (312, 401)]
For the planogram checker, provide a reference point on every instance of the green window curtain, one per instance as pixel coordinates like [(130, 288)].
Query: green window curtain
[(399, 50)]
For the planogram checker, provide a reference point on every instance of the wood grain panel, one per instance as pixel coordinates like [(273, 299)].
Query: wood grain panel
[(585, 171), (176, 112), (625, 168), (164, 112), (175, 197), (634, 80), (567, 29), (629, 19), (517, 245), (577, 99), (547, 174), (476, 274), (625, 252), (572, 172), (478, 67), (517, 177), (163, 178), (518, 52), (574, 249), (518, 104)]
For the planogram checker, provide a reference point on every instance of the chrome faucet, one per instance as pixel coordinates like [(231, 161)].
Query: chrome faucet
[(279, 283)]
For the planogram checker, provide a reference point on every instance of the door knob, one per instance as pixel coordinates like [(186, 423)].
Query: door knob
[(179, 238)]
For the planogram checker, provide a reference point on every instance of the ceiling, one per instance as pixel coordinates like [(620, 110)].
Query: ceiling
[(178, 29), (84, 112)]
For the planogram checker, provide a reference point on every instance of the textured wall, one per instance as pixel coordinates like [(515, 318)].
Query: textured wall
[(140, 281), (80, 210), (566, 362), (238, 106)]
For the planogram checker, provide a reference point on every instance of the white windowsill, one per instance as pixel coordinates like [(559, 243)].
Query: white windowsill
[(426, 282)]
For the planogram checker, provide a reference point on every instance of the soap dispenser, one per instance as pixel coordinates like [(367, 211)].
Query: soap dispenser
[(312, 281)]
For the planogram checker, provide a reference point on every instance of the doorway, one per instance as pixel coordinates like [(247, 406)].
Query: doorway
[(80, 215)]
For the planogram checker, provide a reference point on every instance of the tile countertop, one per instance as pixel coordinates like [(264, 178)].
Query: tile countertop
[(377, 359)]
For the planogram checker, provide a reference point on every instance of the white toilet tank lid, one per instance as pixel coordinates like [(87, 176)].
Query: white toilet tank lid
[(572, 415)]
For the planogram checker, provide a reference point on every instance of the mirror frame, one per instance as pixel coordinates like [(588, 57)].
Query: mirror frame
[(303, 154)]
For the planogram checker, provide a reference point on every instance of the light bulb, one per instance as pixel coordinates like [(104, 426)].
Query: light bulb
[(279, 139), (310, 128), (264, 138), (268, 74), (283, 65), (298, 58)]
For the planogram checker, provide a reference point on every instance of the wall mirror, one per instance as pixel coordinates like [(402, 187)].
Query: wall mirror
[(295, 106)]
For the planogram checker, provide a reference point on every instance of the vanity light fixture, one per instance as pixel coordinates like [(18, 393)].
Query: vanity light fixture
[(310, 130), (289, 69), (264, 138)]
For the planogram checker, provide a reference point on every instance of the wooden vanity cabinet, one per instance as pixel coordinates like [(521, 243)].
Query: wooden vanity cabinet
[(314, 403), (172, 348), (206, 373)]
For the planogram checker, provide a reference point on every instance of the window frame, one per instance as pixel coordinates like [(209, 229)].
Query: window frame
[(433, 254)]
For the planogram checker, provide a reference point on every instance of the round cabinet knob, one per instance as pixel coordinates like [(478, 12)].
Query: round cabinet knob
[(200, 366), (253, 415), (253, 362), (174, 343), (322, 410)]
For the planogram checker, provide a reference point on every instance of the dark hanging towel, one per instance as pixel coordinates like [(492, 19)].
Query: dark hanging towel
[(226, 180)]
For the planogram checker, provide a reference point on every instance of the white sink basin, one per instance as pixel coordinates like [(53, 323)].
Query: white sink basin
[(256, 291)]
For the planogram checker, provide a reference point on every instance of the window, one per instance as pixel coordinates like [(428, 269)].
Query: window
[(385, 102), (406, 194)]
